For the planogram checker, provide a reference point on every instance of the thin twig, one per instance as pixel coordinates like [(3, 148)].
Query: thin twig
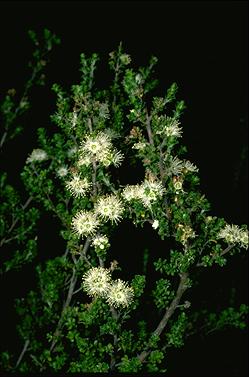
[(169, 312), (23, 352), (148, 127), (225, 251), (115, 316)]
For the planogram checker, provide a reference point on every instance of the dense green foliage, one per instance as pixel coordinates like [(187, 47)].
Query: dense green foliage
[(68, 324)]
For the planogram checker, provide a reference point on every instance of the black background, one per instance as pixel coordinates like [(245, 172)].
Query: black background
[(201, 45)]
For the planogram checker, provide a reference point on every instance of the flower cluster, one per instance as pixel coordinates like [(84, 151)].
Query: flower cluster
[(106, 208), (77, 186), (37, 155), (140, 145), (100, 242), (62, 171), (109, 208), (85, 223), (155, 224), (177, 166), (99, 149), (149, 191), (120, 294), (97, 283), (170, 128), (232, 234), (186, 233)]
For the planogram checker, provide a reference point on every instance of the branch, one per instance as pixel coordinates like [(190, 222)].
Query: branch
[(225, 251), (148, 127), (70, 293), (115, 316), (22, 353), (169, 312), (14, 222)]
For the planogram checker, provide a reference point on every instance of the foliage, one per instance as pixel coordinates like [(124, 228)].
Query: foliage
[(81, 316)]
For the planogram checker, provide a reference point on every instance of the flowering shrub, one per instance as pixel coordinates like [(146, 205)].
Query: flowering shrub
[(82, 317)]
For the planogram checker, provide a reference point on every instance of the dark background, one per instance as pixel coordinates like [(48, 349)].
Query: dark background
[(201, 45)]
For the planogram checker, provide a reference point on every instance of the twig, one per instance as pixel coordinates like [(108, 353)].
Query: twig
[(225, 251), (23, 352), (169, 312), (148, 127), (115, 316), (70, 293)]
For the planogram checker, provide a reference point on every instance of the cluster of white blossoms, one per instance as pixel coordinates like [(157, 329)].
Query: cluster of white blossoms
[(72, 151), (186, 233), (106, 208), (155, 224), (232, 234), (100, 242), (37, 155), (85, 223), (148, 192), (62, 171), (78, 186), (177, 166), (97, 282), (120, 294), (171, 128), (139, 146), (109, 208), (99, 148)]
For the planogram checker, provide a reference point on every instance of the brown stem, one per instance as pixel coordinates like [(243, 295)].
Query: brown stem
[(70, 293), (148, 127), (169, 312)]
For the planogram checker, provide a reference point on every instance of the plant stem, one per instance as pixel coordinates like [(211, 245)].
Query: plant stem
[(149, 131), (169, 312), (115, 338), (225, 251), (23, 352)]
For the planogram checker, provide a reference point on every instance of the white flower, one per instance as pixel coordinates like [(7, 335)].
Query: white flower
[(173, 129), (176, 166), (78, 187), (131, 192), (232, 234), (170, 126), (147, 192), (186, 233), (189, 166), (139, 145), (117, 158), (37, 155), (100, 242), (155, 224), (71, 152), (109, 208), (84, 160), (97, 145), (99, 148), (151, 191), (62, 171), (125, 59), (85, 223), (119, 294), (96, 281)]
